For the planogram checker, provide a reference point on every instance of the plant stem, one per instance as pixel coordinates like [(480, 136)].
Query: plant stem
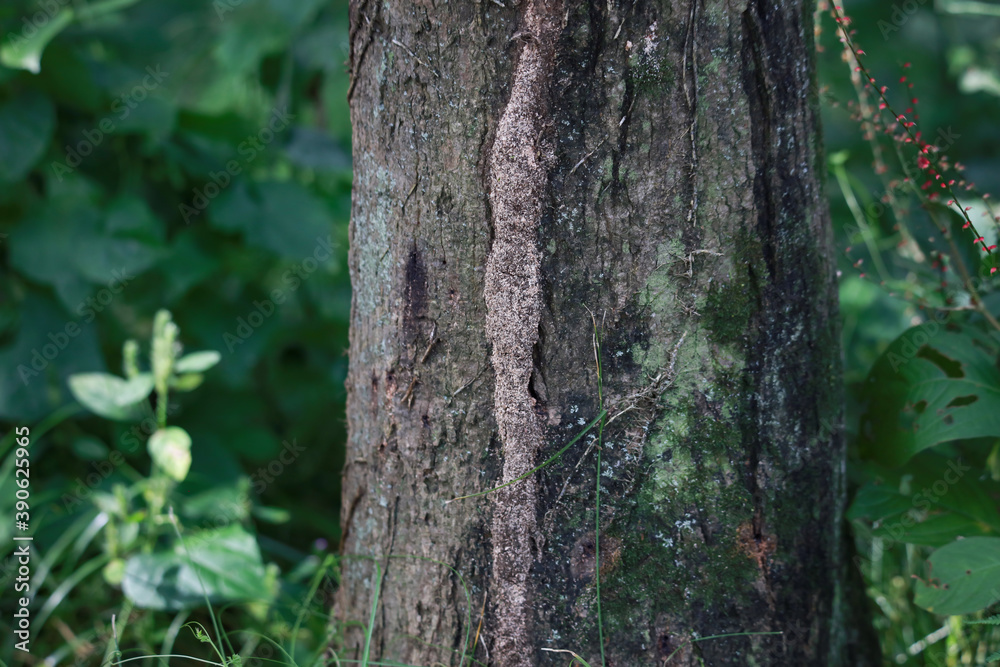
[(597, 502), (547, 461)]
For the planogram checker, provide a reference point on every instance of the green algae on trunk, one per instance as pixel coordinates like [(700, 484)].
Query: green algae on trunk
[(674, 195)]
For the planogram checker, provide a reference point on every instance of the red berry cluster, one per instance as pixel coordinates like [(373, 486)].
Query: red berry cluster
[(926, 172)]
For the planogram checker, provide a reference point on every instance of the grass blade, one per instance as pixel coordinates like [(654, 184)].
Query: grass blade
[(371, 621)]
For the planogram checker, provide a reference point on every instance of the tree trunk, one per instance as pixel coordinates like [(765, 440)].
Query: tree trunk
[(539, 181)]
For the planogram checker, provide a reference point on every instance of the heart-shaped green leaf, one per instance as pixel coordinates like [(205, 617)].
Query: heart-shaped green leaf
[(223, 564), (962, 577), (934, 384)]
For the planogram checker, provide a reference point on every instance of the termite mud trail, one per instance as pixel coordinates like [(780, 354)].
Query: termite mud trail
[(517, 183)]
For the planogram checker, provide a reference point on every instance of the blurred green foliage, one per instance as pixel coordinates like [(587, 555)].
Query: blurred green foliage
[(194, 156), (920, 357)]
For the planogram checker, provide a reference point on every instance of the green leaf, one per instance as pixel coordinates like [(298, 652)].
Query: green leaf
[(949, 216), (934, 531), (155, 117), (186, 382), (219, 503), (44, 247), (962, 577), (36, 382), (933, 384), (102, 259), (130, 217), (964, 494), (197, 362), (186, 265), (70, 78), (171, 450), (262, 214), (311, 48), (64, 243), (26, 126), (255, 30), (242, 44), (876, 502), (23, 49), (227, 561), (110, 396), (942, 502)]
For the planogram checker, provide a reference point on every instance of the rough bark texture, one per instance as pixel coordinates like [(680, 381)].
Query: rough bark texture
[(517, 188), (517, 167)]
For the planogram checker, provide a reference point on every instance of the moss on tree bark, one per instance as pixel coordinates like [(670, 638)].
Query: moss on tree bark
[(683, 208)]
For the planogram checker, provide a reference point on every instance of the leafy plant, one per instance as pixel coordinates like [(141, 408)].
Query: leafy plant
[(934, 384), (115, 115), (222, 563), (158, 564), (923, 250)]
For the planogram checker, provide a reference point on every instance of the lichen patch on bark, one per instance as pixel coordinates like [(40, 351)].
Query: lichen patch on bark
[(517, 184)]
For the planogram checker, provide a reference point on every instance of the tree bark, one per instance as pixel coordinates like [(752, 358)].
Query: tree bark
[(535, 183)]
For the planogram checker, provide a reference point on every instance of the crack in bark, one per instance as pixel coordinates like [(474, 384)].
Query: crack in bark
[(517, 182)]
